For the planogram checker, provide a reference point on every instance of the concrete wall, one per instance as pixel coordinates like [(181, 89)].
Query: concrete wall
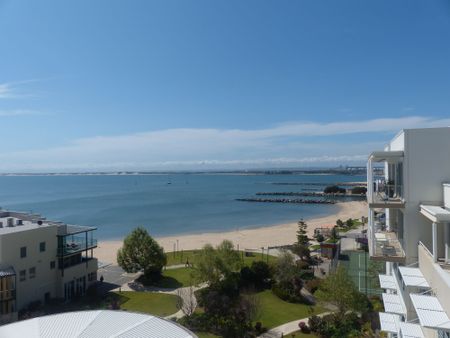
[(447, 195), (426, 167), (74, 272), (45, 279), (438, 278)]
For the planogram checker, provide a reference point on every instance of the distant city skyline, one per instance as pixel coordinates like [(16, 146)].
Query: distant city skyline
[(201, 85)]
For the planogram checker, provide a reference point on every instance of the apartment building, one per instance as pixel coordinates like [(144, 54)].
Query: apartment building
[(409, 229), (42, 260)]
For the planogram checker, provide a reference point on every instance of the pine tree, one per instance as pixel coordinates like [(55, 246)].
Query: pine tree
[(302, 237)]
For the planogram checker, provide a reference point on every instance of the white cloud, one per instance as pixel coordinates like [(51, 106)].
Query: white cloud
[(283, 145), (13, 90)]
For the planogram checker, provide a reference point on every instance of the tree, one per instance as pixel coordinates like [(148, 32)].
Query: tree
[(302, 234), (339, 223), (302, 251), (349, 223), (141, 252), (213, 264), (334, 234), (339, 290)]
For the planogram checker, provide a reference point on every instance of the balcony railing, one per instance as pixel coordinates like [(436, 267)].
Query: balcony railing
[(385, 195), (385, 246), (76, 245)]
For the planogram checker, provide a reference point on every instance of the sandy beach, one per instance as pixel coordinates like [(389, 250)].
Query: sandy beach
[(247, 238)]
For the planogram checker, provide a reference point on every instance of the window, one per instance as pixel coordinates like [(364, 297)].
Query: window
[(23, 252), (22, 275), (52, 265), (42, 246), (32, 272)]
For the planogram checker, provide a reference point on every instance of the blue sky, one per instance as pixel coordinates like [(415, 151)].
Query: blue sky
[(106, 85)]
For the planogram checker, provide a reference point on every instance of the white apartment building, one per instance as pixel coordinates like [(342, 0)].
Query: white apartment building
[(409, 229), (42, 260)]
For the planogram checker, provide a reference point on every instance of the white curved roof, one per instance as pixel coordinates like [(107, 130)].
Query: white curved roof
[(96, 324)]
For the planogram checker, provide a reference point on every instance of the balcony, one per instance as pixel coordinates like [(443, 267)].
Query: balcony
[(385, 191), (385, 246), (385, 195), (75, 245), (74, 239)]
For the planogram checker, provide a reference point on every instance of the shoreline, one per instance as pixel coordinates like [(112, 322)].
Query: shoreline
[(253, 238)]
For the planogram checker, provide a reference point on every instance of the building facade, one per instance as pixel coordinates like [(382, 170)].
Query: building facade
[(42, 260), (409, 229)]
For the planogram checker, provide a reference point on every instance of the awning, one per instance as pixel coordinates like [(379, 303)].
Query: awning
[(393, 304), (409, 330), (435, 213), (387, 282), (389, 322), (430, 312), (413, 277)]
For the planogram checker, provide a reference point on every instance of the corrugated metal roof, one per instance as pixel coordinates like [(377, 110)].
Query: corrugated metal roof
[(393, 304), (430, 312), (387, 282), (409, 330), (389, 322), (96, 324), (413, 277)]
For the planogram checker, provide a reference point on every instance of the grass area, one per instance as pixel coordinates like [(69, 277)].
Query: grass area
[(180, 257), (176, 278), (147, 302), (275, 311), (298, 334), (206, 335), (314, 247)]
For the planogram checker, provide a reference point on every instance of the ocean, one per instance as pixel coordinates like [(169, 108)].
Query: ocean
[(164, 204)]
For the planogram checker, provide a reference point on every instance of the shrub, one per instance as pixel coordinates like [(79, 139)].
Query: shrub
[(312, 285), (359, 190), (320, 238), (304, 328), (334, 189)]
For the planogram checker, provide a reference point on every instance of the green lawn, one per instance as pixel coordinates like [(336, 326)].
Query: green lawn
[(275, 311), (192, 256), (147, 302), (298, 334), (206, 335), (176, 278)]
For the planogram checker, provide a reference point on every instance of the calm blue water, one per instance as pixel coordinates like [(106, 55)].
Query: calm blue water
[(190, 204)]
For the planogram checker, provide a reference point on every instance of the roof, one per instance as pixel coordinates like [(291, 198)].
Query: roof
[(387, 282), (96, 324), (410, 330), (6, 270), (435, 213), (379, 156), (393, 304), (413, 277), (389, 322), (430, 312)]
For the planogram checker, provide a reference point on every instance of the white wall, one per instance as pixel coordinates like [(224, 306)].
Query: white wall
[(45, 280), (426, 168)]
